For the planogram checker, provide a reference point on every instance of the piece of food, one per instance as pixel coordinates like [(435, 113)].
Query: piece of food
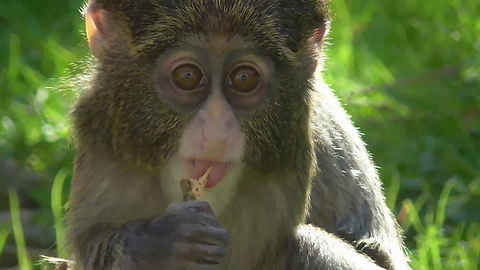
[(193, 188)]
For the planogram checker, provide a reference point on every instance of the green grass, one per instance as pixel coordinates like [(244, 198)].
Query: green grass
[(23, 259), (407, 71)]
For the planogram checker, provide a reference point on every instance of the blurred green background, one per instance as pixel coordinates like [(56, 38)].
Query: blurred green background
[(407, 71)]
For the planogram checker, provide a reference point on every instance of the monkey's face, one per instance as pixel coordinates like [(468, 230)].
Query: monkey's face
[(222, 83), (226, 83)]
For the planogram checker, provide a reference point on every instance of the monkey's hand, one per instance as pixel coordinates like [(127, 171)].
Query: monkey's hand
[(187, 236)]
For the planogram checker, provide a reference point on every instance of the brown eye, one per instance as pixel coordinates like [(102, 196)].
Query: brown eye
[(187, 77), (244, 79)]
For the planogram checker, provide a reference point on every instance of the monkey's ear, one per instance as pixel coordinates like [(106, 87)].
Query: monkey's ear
[(319, 35), (100, 29)]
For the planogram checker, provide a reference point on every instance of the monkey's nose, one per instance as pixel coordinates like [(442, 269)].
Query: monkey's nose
[(214, 149), (215, 133)]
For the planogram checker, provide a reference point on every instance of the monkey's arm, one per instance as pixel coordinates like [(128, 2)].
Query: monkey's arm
[(347, 197), (102, 200), (117, 220), (314, 249), (99, 247)]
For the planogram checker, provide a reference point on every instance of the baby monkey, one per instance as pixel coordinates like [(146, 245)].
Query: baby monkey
[(231, 90)]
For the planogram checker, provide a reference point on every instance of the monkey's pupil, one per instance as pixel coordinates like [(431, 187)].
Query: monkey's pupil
[(244, 79), (187, 77)]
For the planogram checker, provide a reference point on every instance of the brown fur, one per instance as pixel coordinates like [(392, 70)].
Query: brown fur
[(304, 159)]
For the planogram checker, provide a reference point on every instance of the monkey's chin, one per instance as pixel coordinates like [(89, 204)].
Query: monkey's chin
[(198, 167)]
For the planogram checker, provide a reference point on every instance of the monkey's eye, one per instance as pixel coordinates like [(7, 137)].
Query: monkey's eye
[(244, 79), (187, 77)]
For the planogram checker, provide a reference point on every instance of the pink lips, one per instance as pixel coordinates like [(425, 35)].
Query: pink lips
[(197, 168)]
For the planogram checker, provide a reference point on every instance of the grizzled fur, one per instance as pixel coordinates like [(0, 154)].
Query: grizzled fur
[(276, 26), (306, 163), (153, 26)]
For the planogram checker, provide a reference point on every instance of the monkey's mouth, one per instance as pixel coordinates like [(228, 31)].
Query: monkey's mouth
[(197, 167)]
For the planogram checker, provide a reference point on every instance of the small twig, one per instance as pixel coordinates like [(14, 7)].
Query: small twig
[(193, 188), (55, 263)]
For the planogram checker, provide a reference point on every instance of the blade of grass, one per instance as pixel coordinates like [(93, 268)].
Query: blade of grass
[(434, 240), (57, 208), (3, 239), (23, 258), (393, 191), (412, 214), (442, 204)]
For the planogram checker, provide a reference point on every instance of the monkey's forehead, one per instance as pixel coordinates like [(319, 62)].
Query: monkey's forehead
[(277, 26)]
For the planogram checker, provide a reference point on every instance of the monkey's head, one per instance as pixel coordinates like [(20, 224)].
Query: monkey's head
[(210, 82)]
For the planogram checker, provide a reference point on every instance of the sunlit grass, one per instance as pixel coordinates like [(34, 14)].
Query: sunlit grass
[(435, 248), (24, 260), (58, 211), (3, 240)]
